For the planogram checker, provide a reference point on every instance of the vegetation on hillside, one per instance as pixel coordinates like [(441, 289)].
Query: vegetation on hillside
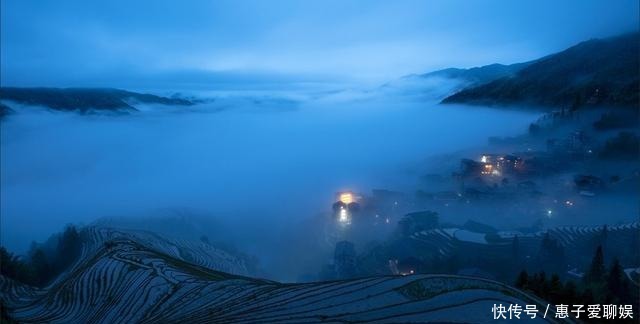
[(478, 75), (44, 261), (617, 120), (84, 99), (599, 72), (600, 285), (626, 146)]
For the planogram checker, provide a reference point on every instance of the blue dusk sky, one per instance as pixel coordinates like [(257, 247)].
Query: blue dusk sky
[(79, 43)]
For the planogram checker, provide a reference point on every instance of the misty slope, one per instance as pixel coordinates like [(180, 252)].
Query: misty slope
[(596, 72), (442, 83), (127, 281), (477, 75), (570, 238), (192, 251), (170, 222), (84, 99), (5, 111)]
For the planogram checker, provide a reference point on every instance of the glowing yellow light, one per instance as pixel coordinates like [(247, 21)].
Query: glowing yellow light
[(343, 215), (346, 197)]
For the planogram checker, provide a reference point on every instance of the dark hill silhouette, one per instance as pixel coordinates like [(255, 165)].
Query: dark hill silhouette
[(84, 99), (598, 72)]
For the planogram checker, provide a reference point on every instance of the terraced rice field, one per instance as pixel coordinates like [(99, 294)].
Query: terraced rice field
[(619, 237), (132, 277)]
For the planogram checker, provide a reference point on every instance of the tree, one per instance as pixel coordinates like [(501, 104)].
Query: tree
[(596, 270), (523, 280), (69, 248), (604, 234), (555, 288), (12, 266), (41, 268), (538, 284), (569, 293), (551, 254), (617, 285), (45, 261), (587, 297), (8, 263), (600, 239)]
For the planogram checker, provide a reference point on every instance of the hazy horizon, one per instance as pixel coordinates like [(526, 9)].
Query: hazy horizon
[(162, 44)]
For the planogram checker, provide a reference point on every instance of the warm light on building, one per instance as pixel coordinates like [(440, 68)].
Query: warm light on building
[(346, 197), (343, 217)]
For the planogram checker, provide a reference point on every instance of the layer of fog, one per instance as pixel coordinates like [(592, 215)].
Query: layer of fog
[(260, 165)]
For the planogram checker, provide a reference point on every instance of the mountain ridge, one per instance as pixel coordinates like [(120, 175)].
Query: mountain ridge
[(479, 74), (597, 72), (85, 100)]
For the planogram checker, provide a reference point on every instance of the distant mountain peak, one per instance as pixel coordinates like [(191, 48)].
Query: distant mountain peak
[(602, 72), (84, 99), (479, 74)]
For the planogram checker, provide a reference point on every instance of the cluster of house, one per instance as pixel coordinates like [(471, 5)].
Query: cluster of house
[(559, 152), (378, 208), (497, 177), (577, 145), (491, 165)]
